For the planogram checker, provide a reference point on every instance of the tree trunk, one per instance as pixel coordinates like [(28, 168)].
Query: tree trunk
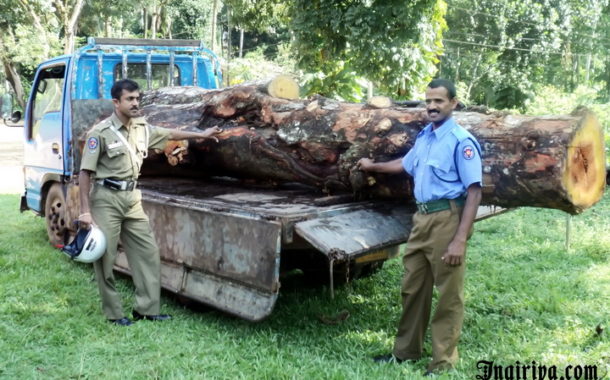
[(107, 27), (213, 26), (70, 27), (241, 42), (555, 161), (153, 21), (13, 78), (168, 24), (145, 21)]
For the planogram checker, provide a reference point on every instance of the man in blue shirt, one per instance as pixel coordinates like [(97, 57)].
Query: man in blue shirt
[(445, 163)]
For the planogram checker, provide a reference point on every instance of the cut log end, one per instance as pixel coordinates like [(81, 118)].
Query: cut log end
[(379, 102), (585, 172), (284, 87)]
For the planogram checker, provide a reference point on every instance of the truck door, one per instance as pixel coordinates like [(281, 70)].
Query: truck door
[(44, 145)]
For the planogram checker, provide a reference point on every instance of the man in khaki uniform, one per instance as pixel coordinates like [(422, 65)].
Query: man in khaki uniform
[(445, 163), (111, 162)]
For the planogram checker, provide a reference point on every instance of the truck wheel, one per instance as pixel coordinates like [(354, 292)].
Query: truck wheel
[(55, 215)]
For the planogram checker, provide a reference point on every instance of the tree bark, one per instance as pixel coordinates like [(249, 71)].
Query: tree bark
[(153, 21), (554, 162), (213, 25), (145, 21), (70, 27), (15, 80)]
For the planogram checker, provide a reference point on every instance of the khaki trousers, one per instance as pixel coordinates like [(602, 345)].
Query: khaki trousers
[(428, 241), (119, 214)]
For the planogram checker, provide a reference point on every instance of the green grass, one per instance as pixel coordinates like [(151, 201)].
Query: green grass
[(527, 298)]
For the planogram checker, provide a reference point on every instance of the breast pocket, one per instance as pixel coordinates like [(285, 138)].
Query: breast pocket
[(444, 169), (116, 151)]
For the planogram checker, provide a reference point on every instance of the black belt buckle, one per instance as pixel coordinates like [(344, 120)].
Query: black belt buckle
[(115, 184), (112, 184)]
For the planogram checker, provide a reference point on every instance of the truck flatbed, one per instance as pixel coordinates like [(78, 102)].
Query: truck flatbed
[(222, 243)]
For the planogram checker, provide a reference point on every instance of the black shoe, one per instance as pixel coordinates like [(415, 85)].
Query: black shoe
[(387, 358), (121, 322), (159, 317)]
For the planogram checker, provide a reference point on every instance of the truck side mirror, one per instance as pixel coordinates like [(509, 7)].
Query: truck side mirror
[(15, 116)]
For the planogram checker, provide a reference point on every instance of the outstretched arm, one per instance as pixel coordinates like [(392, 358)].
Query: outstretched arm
[(392, 167), (209, 133)]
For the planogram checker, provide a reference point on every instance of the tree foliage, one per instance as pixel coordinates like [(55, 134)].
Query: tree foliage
[(192, 20), (394, 44), (258, 15), (503, 50), (109, 19), (500, 52), (30, 34)]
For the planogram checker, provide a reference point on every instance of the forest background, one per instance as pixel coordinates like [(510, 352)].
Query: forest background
[(528, 56)]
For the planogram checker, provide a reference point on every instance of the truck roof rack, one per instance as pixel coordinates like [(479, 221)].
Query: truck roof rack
[(170, 46), (100, 41)]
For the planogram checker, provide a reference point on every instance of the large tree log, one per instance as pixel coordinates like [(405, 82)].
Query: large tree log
[(554, 162)]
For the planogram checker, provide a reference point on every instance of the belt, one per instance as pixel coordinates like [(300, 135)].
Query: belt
[(439, 205), (116, 184)]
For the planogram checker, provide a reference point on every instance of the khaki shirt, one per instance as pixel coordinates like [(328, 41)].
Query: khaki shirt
[(106, 154)]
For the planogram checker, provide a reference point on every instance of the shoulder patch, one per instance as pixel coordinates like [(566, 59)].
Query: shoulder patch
[(468, 152), (92, 143)]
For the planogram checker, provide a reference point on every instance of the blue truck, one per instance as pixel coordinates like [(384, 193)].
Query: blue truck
[(66, 88), (221, 243)]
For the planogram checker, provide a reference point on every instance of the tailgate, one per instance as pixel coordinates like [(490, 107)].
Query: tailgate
[(354, 234)]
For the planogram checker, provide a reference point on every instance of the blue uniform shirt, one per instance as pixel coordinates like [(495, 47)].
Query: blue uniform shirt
[(443, 162)]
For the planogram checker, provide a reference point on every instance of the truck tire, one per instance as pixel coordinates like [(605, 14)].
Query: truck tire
[(55, 215)]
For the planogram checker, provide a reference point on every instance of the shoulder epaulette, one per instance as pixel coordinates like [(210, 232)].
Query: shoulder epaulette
[(103, 124), (460, 133)]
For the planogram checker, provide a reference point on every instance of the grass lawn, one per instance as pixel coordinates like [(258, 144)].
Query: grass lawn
[(527, 299)]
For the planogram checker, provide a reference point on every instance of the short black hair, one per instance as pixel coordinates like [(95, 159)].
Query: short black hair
[(440, 82), (124, 84)]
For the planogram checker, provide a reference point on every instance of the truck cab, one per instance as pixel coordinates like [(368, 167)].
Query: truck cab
[(72, 92)]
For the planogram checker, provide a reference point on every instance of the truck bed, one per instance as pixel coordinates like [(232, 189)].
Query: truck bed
[(222, 242), (288, 205)]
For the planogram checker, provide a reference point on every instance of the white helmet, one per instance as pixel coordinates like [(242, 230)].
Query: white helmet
[(87, 246)]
